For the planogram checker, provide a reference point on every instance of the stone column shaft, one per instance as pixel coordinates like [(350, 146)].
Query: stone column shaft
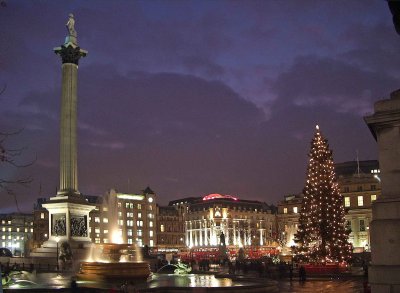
[(68, 130)]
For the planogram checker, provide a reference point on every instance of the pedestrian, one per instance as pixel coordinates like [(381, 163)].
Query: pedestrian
[(74, 285), (291, 272), (365, 268), (302, 274)]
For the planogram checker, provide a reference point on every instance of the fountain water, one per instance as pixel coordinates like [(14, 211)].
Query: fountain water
[(115, 259)]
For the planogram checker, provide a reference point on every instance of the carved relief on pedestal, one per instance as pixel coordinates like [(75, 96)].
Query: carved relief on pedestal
[(78, 226), (59, 226)]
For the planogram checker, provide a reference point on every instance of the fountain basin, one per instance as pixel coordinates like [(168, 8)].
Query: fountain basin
[(114, 270)]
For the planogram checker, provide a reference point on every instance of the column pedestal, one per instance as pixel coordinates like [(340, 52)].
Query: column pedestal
[(384, 272)]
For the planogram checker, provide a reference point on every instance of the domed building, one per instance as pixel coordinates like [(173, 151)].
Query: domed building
[(244, 224)]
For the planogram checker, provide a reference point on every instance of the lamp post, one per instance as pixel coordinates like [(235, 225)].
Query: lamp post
[(57, 240)]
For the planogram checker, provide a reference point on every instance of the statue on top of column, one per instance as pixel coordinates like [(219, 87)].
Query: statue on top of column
[(71, 25)]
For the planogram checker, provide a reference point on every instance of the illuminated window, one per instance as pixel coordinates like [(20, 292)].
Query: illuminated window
[(42, 215), (373, 197), (119, 204), (31, 230), (131, 205), (96, 219), (3, 237), (127, 205), (9, 222), (130, 232), (139, 242), (151, 242), (295, 210), (139, 206), (150, 216), (139, 232), (285, 210), (97, 240), (121, 222), (150, 207), (4, 229), (97, 230), (26, 230), (105, 240), (151, 224), (129, 223), (9, 237), (119, 214), (17, 229), (3, 221), (130, 241), (129, 215), (162, 229), (3, 244), (150, 199), (9, 230), (139, 223), (151, 233), (360, 199), (105, 220), (346, 201), (362, 225), (139, 215), (105, 231), (105, 209)]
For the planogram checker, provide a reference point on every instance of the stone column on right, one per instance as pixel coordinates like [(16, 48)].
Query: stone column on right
[(384, 272)]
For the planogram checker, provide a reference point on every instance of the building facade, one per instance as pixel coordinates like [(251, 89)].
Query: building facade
[(288, 220), (244, 223), (16, 231), (40, 224), (359, 192), (170, 229), (134, 221)]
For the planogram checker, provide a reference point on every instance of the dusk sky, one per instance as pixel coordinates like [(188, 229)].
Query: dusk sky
[(194, 97)]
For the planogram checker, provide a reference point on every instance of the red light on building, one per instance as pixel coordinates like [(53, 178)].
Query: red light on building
[(217, 195)]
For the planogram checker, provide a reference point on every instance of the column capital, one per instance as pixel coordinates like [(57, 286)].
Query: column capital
[(70, 53), (387, 114)]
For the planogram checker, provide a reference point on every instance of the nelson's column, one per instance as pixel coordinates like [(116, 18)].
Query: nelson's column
[(68, 210)]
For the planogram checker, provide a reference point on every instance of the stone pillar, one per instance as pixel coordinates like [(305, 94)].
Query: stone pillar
[(234, 233), (384, 273), (196, 243), (187, 234), (70, 54), (69, 210), (191, 235), (228, 236), (201, 233)]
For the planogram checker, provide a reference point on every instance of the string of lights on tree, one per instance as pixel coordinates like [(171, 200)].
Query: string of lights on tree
[(321, 236)]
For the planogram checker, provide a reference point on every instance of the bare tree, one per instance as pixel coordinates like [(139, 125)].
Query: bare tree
[(9, 157)]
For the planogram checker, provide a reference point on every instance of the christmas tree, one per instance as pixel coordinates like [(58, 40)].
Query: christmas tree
[(321, 234)]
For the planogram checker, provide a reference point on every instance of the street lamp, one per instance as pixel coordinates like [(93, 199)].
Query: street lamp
[(57, 240)]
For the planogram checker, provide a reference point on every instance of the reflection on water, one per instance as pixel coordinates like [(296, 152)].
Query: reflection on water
[(191, 280), (54, 281), (325, 286)]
